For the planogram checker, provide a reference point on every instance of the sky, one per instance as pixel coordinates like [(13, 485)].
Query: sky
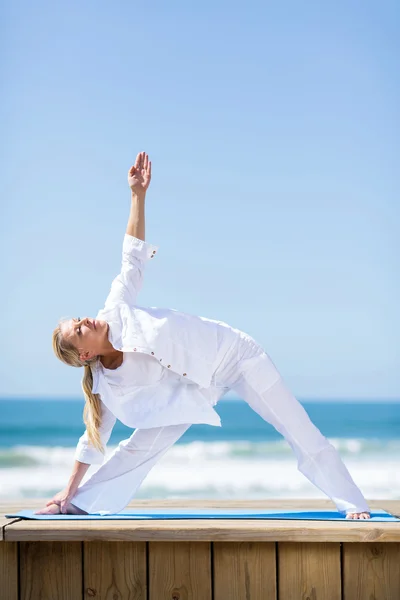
[(273, 131)]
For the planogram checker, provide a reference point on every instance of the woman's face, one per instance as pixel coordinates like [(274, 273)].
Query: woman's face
[(88, 335)]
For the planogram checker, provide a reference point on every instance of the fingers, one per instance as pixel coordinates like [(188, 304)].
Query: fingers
[(142, 166), (64, 505), (141, 162), (138, 160), (147, 164), (53, 501)]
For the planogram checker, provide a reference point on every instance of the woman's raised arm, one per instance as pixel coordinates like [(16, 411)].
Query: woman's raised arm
[(135, 250), (139, 177)]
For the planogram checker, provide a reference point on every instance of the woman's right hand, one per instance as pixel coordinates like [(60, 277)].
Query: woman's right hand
[(62, 499), (139, 175)]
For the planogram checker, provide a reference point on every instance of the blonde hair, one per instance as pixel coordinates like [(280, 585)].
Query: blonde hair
[(68, 354)]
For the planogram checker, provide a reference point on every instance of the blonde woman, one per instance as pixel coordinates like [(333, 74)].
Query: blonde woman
[(160, 370)]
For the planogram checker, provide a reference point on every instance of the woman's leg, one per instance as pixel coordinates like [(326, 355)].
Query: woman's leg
[(250, 372), (115, 483)]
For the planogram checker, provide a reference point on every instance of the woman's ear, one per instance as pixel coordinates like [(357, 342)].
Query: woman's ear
[(84, 356)]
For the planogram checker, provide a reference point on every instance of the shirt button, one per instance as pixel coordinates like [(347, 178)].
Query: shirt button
[(134, 349), (153, 353), (169, 366), (184, 374), (160, 359)]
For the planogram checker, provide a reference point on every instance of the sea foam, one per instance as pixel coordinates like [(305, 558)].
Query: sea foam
[(238, 469)]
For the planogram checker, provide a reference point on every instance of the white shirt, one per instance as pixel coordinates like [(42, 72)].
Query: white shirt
[(168, 359)]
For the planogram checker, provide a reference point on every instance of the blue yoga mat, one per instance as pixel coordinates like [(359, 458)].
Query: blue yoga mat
[(209, 513)]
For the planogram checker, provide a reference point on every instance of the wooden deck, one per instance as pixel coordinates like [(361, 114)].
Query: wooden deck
[(200, 559)]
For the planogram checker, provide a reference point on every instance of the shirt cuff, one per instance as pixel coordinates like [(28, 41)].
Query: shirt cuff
[(137, 247)]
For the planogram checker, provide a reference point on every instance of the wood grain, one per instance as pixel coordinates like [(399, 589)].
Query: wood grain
[(9, 571), (309, 571), (244, 571), (51, 570), (179, 571), (205, 530), (115, 570), (371, 571)]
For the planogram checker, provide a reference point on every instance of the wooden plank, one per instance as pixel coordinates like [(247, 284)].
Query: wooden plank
[(11, 506), (371, 571), (115, 570), (3, 523), (309, 571), (180, 571), (206, 530), (239, 530), (244, 570), (391, 506), (50, 570), (9, 571)]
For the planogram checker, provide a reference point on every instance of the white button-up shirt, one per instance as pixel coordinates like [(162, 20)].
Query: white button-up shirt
[(168, 359)]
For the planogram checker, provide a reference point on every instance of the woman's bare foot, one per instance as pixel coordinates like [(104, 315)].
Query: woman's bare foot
[(54, 509), (363, 515)]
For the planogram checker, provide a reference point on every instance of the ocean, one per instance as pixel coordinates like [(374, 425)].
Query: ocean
[(245, 458)]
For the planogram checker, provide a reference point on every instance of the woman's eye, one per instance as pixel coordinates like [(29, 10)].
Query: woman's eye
[(79, 330)]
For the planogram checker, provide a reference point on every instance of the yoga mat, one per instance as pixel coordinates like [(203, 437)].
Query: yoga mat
[(209, 513)]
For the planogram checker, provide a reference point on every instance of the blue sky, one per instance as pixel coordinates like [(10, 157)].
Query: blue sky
[(273, 129)]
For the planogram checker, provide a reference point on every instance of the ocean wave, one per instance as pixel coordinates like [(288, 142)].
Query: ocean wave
[(223, 479), (210, 470), (10, 459), (22, 456)]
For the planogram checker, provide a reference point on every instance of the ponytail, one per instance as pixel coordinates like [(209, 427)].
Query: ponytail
[(92, 409)]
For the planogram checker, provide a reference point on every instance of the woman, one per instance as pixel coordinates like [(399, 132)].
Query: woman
[(161, 370)]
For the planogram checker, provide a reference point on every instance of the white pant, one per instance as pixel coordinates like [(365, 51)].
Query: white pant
[(245, 368)]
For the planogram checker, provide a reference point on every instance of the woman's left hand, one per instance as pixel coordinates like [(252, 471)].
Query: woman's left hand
[(139, 175)]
